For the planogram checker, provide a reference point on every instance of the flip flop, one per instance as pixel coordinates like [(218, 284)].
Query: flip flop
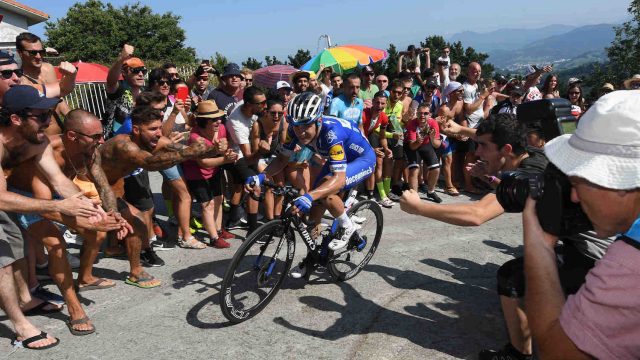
[(97, 285), (40, 309), (83, 320), (145, 277), (451, 191), (26, 342)]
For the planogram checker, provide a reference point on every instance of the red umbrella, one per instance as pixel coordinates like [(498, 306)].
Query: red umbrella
[(88, 72), (270, 75)]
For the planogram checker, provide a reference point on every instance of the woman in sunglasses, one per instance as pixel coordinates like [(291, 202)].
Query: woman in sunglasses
[(204, 177), (578, 104), (265, 139)]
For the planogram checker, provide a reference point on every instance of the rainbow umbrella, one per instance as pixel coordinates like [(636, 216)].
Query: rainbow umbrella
[(345, 57)]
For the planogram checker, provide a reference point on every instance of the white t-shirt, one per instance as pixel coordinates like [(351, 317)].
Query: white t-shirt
[(532, 94), (239, 128), (471, 94), (448, 60), (180, 123)]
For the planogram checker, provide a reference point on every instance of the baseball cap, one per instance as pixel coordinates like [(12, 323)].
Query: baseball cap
[(573, 80), (604, 149), (282, 84), (531, 69), (133, 63), (22, 97), (367, 69)]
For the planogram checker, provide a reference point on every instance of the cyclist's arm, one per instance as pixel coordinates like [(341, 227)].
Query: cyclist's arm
[(277, 165)]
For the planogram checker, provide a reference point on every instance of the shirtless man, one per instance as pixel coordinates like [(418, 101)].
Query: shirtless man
[(76, 154), (42, 75), (132, 155), (24, 117)]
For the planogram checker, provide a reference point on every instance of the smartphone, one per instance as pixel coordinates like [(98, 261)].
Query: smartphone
[(206, 62), (185, 136), (182, 94)]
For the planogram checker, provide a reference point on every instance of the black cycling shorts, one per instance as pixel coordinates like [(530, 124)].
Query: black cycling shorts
[(374, 140), (137, 190), (425, 153), (240, 171)]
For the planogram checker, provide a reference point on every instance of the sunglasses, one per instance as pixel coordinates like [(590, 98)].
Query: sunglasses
[(141, 69), (94, 137), (398, 92), (248, 80), (174, 75), (36, 52), (383, 81), (574, 93), (276, 113), (7, 74), (635, 86), (407, 89), (163, 82)]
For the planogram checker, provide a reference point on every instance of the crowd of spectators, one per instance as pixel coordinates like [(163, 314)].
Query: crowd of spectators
[(446, 124)]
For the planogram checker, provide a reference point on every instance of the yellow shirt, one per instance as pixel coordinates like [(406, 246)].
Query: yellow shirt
[(395, 116)]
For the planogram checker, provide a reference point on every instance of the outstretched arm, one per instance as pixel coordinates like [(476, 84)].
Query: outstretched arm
[(473, 214)]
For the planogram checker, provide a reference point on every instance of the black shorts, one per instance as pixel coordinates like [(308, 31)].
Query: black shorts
[(396, 149), (573, 271), (205, 190), (240, 171), (463, 147), (425, 153), (374, 140), (137, 190)]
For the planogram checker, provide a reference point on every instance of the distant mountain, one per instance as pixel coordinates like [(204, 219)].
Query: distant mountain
[(573, 48), (506, 39)]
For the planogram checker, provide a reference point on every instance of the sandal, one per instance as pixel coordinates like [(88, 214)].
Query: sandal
[(142, 278), (451, 191), (97, 285), (191, 243), (26, 342), (80, 321)]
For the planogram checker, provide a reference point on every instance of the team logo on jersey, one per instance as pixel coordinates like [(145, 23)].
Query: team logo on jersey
[(336, 152), (331, 136)]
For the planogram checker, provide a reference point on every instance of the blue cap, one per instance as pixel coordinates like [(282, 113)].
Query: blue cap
[(6, 58), (232, 69), (22, 97)]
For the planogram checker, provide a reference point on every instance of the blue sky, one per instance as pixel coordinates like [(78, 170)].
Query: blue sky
[(242, 28)]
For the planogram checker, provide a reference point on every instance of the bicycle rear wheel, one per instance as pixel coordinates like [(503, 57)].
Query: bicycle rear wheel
[(256, 271), (348, 262)]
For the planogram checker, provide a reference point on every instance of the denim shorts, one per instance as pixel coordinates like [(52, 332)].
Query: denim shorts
[(172, 173)]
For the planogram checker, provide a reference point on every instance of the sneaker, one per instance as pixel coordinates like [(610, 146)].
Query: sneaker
[(393, 197), (423, 188), (358, 219), (159, 245), (195, 223), (150, 258), (74, 261), (224, 234), (238, 224), (219, 243), (386, 202), (508, 352), (337, 244), (72, 237), (433, 196), (298, 271)]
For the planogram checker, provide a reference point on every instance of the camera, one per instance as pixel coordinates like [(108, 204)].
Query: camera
[(442, 62), (558, 215)]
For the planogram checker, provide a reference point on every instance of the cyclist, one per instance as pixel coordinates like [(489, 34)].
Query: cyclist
[(351, 160)]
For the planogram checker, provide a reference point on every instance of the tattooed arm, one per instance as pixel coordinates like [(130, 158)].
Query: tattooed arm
[(102, 184), (164, 158)]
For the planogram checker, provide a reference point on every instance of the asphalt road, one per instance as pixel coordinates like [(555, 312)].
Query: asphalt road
[(428, 293)]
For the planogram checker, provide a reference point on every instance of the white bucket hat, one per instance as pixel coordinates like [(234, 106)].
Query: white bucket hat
[(605, 149)]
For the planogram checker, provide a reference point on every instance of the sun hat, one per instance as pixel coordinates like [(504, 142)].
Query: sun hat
[(209, 109), (605, 148), (634, 78), (283, 85), (451, 87)]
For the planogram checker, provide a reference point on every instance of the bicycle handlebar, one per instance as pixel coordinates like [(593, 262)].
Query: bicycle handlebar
[(276, 189)]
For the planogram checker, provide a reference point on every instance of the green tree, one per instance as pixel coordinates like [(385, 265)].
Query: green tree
[(94, 31), (252, 63), (300, 58), (459, 54), (219, 61), (624, 52), (391, 62), (272, 60)]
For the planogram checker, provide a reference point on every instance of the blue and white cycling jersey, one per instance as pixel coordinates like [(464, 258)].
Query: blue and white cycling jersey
[(345, 148)]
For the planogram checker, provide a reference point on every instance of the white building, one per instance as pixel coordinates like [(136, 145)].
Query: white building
[(16, 18)]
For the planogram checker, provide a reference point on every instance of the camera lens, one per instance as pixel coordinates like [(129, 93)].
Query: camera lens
[(513, 191)]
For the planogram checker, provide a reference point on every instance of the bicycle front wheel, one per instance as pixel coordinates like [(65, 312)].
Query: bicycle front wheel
[(348, 262), (256, 271)]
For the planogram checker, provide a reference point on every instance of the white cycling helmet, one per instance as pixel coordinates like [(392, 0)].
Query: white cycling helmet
[(305, 108)]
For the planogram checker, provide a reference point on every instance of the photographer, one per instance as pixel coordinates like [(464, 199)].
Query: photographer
[(502, 147), (602, 319)]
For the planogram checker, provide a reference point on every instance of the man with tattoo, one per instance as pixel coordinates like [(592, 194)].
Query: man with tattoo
[(23, 118), (131, 156), (75, 151)]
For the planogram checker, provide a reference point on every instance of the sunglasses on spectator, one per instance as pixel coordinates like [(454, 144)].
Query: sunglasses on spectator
[(276, 113), (94, 137), (7, 74), (43, 118), (383, 81), (141, 69), (407, 89), (635, 86), (36, 52), (248, 79), (398, 92), (163, 82), (574, 93), (174, 76)]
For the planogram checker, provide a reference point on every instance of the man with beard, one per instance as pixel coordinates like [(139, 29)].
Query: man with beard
[(300, 81), (75, 152), (348, 105), (131, 156), (25, 115)]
